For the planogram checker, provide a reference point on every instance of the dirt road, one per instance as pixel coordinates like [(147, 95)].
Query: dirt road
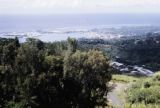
[(114, 97)]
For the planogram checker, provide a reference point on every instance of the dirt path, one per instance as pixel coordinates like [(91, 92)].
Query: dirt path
[(113, 96)]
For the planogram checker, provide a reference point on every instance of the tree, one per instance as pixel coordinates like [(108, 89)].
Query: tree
[(9, 52), (90, 71), (16, 42), (31, 77), (72, 45)]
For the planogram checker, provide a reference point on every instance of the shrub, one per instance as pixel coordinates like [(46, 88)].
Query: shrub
[(147, 84), (157, 76), (147, 91), (12, 104)]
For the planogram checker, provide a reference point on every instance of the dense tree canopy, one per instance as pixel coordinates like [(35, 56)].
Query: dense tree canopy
[(46, 75), (141, 50)]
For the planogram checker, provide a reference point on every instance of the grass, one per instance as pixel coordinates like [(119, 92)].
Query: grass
[(124, 78), (142, 105), (141, 87), (145, 93)]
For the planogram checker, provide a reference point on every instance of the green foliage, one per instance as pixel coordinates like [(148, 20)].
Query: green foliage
[(145, 91), (139, 50), (46, 75), (90, 70), (124, 78), (9, 52), (14, 105), (56, 48), (157, 76), (72, 45), (147, 95), (141, 105)]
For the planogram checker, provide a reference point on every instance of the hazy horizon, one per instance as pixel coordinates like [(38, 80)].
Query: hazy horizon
[(35, 22), (78, 6), (24, 15)]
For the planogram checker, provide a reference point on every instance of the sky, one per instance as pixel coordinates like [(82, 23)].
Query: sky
[(78, 6)]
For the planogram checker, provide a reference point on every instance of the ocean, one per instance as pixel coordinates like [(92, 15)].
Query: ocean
[(12, 24)]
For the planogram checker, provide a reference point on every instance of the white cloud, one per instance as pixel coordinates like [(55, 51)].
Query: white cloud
[(69, 6)]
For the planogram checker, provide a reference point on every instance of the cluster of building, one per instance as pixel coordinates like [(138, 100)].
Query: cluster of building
[(131, 70)]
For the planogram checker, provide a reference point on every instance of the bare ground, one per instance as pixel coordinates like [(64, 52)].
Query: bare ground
[(113, 96)]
